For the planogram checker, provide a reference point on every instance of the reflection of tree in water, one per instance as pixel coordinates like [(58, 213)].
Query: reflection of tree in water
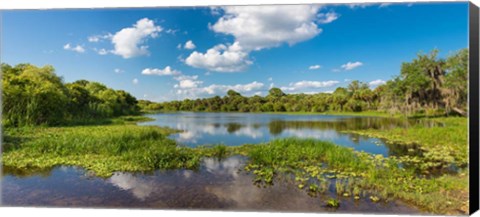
[(18, 172), (341, 124), (233, 127), (403, 150), (276, 127)]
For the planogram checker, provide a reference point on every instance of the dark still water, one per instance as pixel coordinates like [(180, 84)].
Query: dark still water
[(234, 129), (217, 185)]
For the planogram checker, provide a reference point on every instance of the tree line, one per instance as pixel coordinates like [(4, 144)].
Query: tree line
[(34, 95), (426, 85)]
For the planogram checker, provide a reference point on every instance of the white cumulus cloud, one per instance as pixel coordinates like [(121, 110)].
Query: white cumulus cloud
[(187, 82), (166, 71), (135, 81), (327, 17), (129, 42), (351, 65), (102, 51), (241, 88), (220, 58), (376, 82), (98, 38), (258, 27), (78, 48), (189, 45), (302, 85), (314, 67), (255, 28)]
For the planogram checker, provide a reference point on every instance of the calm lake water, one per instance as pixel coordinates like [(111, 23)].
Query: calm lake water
[(234, 129), (217, 185)]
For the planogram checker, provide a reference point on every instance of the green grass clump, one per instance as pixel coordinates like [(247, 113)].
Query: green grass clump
[(333, 203), (102, 149)]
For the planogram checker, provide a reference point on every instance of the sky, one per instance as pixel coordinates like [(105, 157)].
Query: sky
[(163, 54)]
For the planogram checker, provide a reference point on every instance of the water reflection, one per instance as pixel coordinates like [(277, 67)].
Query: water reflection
[(227, 167), (218, 184), (246, 128), (139, 187)]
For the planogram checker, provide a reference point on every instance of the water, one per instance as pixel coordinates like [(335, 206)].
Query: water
[(217, 185), (233, 129)]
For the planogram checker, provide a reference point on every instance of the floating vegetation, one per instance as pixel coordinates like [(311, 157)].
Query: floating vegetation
[(374, 199), (333, 203)]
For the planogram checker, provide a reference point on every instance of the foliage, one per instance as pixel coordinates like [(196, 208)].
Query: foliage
[(37, 96), (331, 202), (426, 86)]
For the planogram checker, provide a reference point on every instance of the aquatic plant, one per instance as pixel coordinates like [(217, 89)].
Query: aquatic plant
[(332, 202)]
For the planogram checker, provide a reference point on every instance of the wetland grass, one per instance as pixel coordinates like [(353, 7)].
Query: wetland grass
[(101, 149)]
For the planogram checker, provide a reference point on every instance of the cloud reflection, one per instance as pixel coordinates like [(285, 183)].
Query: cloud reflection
[(139, 187), (229, 166)]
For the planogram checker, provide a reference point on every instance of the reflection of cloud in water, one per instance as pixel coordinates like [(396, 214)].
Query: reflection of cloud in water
[(250, 132), (140, 188), (193, 132), (229, 166), (314, 134), (212, 130), (187, 174), (188, 136), (240, 189)]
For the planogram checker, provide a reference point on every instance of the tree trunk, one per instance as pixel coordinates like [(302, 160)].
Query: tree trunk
[(459, 111)]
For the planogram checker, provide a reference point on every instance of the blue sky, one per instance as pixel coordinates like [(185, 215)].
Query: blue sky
[(303, 48)]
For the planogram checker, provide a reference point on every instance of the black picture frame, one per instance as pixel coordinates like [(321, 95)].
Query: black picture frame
[(474, 106)]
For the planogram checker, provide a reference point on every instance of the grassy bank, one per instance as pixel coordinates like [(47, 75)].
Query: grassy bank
[(103, 149)]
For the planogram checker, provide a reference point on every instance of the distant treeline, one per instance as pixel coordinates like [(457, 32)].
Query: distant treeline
[(37, 96), (426, 85), (34, 95)]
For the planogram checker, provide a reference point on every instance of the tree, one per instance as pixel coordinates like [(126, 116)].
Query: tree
[(232, 93), (426, 84), (37, 96), (340, 97), (33, 95), (275, 93), (456, 82)]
